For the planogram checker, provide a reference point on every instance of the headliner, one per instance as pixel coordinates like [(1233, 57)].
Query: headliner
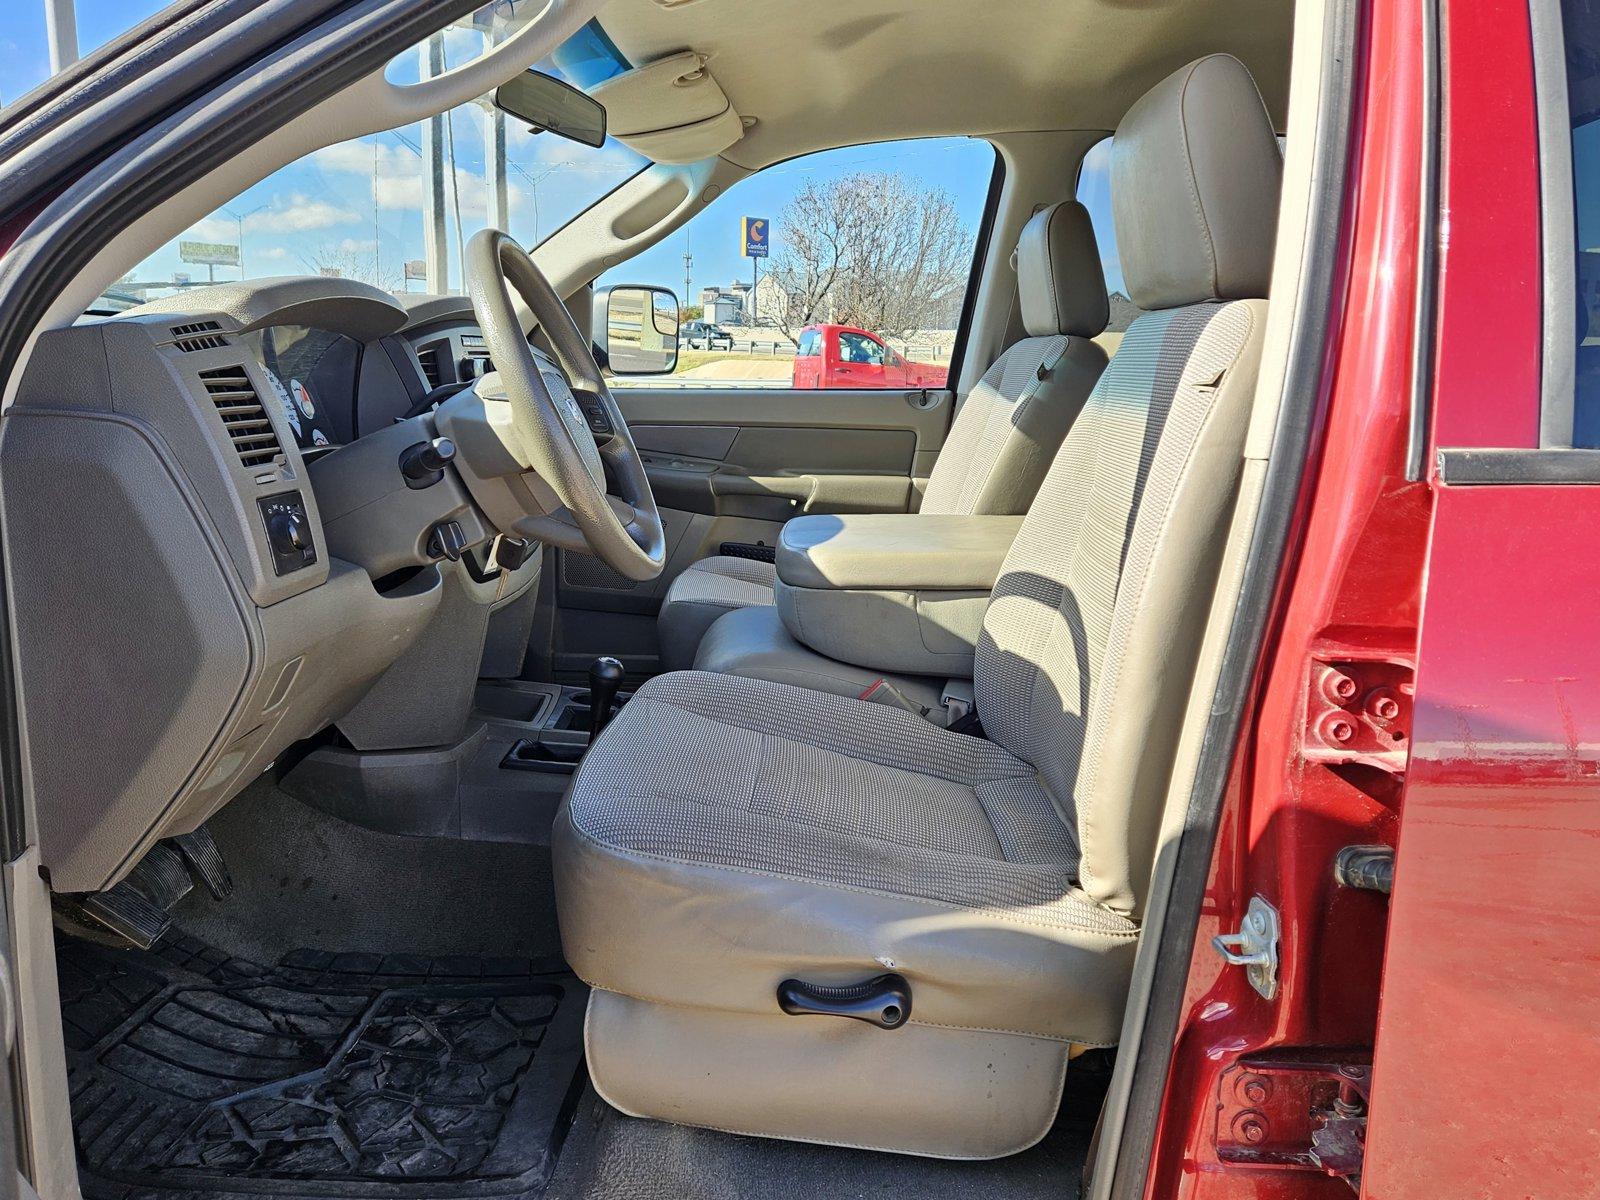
[(840, 72)]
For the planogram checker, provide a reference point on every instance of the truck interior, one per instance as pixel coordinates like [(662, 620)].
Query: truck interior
[(518, 774)]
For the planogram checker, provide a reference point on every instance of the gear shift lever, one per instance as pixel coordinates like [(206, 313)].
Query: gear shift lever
[(605, 677)]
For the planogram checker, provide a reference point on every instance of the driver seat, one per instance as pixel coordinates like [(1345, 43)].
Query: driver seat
[(725, 835)]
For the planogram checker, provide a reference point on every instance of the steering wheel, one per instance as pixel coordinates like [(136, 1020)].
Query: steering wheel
[(565, 418)]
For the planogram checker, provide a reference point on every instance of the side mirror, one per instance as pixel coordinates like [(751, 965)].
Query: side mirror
[(636, 329)]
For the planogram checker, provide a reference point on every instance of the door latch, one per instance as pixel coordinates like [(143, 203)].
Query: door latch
[(1254, 947)]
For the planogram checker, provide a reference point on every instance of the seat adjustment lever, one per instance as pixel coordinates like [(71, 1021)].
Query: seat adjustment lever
[(884, 1001)]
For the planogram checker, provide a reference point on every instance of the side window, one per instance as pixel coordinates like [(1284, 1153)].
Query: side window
[(27, 58), (873, 244), (1094, 193), (1583, 100)]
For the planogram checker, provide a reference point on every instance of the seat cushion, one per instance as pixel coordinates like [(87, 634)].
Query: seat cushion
[(725, 834), (755, 643), (701, 594)]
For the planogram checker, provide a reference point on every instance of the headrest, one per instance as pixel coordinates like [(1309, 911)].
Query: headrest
[(1059, 279), (1195, 172)]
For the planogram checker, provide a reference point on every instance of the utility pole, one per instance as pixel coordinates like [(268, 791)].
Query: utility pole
[(61, 30), (494, 154), (688, 267), (435, 237)]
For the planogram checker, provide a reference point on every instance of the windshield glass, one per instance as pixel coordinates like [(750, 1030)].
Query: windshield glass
[(396, 209)]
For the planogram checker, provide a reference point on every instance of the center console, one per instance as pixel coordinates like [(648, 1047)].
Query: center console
[(901, 593)]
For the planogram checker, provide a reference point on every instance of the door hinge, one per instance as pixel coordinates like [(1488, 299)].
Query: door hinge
[(1254, 947), (1294, 1110)]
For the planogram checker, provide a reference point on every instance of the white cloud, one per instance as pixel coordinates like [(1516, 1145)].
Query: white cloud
[(214, 229), (299, 214)]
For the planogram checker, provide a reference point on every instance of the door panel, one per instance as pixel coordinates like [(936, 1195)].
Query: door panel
[(730, 466)]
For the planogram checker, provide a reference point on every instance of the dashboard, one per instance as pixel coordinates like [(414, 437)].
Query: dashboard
[(214, 553)]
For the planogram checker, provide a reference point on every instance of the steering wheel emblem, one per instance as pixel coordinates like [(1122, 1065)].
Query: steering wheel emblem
[(561, 392)]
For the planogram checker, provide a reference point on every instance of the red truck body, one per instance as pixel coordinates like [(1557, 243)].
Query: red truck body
[(843, 356)]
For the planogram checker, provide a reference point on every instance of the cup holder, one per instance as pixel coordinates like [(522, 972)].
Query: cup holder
[(551, 758)]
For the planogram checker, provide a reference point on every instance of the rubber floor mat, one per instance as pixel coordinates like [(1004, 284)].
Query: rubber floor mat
[(193, 1073)]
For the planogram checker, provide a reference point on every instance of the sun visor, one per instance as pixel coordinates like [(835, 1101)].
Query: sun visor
[(671, 111)]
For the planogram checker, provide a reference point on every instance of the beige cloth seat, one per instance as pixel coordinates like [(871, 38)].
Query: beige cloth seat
[(726, 834), (1003, 438)]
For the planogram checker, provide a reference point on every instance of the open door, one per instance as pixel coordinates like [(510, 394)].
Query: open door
[(1492, 973)]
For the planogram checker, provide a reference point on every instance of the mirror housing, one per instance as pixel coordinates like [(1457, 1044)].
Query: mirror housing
[(636, 329), (553, 106)]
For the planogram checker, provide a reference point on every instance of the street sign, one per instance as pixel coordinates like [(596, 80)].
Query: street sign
[(416, 268), (756, 237), (209, 254)]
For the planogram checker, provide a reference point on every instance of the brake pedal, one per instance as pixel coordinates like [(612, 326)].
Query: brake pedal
[(162, 877), (121, 910)]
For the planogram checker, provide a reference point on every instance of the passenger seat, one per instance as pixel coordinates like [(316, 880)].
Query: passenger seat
[(1003, 438)]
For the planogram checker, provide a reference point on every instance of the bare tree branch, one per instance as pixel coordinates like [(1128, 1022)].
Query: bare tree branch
[(874, 250)]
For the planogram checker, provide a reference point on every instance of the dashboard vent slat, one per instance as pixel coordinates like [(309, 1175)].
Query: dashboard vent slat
[(198, 335), (243, 415), (430, 367)]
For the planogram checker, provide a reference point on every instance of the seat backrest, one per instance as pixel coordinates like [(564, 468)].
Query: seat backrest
[(1011, 424), (1089, 643)]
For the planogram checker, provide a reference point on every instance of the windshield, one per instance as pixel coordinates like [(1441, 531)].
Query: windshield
[(396, 209)]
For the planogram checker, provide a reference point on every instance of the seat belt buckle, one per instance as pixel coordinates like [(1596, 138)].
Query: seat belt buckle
[(956, 700)]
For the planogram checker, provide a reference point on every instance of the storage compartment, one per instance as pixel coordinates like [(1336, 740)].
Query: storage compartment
[(901, 593)]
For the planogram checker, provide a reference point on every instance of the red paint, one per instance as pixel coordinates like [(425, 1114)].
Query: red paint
[(1487, 1080), (1352, 596), (1486, 1073), (845, 356), (1489, 282), (1488, 1067)]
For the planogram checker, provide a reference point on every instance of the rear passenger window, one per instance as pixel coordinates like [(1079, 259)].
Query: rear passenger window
[(1581, 21), (843, 269), (1094, 193)]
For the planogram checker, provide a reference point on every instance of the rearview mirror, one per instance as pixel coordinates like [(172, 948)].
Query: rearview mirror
[(547, 103), (637, 328)]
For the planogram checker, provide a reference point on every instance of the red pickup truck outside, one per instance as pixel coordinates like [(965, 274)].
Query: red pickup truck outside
[(842, 356)]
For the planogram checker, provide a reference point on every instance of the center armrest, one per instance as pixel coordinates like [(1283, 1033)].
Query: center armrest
[(906, 551)]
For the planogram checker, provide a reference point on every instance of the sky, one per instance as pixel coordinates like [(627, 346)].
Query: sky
[(357, 207)]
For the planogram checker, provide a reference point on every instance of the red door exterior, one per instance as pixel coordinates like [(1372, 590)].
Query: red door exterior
[(1460, 1013), (1487, 1079)]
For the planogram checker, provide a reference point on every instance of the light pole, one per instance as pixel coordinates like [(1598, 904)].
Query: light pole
[(61, 30), (239, 217)]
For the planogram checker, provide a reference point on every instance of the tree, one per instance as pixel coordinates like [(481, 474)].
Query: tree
[(352, 262), (874, 250)]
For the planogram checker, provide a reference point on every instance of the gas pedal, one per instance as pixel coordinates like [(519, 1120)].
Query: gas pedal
[(205, 860)]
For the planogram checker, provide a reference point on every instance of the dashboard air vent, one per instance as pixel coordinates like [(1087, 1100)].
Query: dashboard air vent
[(431, 370), (198, 335), (243, 415)]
